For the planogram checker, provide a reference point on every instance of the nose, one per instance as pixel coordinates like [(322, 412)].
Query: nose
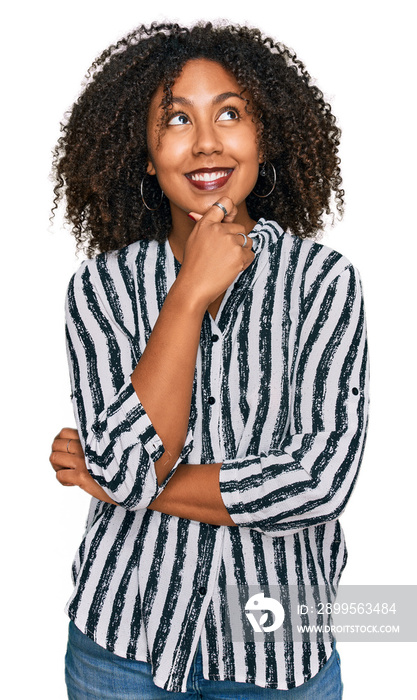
[(206, 139)]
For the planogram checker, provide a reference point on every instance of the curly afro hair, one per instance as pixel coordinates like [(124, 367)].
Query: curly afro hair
[(101, 156)]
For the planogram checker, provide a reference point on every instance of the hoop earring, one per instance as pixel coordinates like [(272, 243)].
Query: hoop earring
[(143, 198), (262, 173)]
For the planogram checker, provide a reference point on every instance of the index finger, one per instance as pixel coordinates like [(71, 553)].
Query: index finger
[(216, 213)]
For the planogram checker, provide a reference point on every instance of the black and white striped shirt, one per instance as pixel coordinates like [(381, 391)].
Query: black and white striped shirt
[(280, 398)]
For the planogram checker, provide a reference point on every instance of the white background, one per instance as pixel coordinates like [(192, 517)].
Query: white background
[(360, 53)]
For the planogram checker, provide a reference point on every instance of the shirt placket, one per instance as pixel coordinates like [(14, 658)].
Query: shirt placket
[(216, 343)]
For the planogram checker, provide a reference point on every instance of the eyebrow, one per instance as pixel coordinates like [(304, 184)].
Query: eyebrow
[(216, 100)]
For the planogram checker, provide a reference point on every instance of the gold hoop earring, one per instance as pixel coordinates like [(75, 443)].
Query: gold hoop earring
[(143, 198), (262, 173)]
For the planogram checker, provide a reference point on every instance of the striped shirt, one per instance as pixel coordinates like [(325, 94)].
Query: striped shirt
[(280, 399)]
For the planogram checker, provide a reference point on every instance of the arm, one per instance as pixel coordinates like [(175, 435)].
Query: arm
[(190, 494), (308, 479), (133, 420), (194, 493)]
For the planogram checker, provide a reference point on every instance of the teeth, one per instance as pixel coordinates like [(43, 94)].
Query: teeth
[(208, 177)]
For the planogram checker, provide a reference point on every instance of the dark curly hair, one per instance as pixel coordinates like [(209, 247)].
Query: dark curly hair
[(101, 157)]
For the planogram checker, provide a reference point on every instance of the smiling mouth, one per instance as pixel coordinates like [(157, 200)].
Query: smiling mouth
[(209, 178)]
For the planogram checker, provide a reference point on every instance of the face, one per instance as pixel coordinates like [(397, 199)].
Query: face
[(209, 147)]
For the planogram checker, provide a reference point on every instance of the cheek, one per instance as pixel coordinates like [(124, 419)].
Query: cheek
[(168, 156), (251, 155), (248, 147), (167, 168)]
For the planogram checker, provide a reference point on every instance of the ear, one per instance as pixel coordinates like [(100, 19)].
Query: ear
[(150, 169)]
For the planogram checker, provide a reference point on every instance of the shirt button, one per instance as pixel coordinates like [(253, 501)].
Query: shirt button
[(214, 338), (211, 400), (355, 391), (202, 590)]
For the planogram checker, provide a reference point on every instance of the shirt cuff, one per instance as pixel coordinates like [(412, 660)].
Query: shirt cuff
[(184, 453), (126, 420), (232, 472)]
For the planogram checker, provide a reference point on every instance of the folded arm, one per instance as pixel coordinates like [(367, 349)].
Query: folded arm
[(193, 492), (132, 397), (309, 478)]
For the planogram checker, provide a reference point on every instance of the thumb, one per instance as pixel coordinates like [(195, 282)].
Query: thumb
[(194, 216)]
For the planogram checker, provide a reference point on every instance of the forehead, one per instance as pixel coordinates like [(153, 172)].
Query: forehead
[(200, 81), (200, 73)]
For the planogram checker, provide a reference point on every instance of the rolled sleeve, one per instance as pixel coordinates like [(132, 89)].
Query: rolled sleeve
[(119, 440), (121, 450)]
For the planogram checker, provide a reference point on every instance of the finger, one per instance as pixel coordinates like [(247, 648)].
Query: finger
[(76, 477), (67, 477), (216, 213), (68, 434), (231, 215), (60, 460), (244, 240), (72, 446), (63, 460), (196, 217)]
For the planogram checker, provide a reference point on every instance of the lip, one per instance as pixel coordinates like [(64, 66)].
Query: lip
[(209, 178)]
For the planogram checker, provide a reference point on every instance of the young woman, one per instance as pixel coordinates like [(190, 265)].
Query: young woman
[(218, 367)]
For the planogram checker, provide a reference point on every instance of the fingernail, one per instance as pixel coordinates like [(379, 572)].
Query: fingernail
[(191, 217)]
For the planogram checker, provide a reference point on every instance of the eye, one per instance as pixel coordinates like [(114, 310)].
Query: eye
[(178, 120), (229, 114)]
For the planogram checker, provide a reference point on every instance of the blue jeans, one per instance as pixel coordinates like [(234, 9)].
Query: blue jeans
[(94, 672)]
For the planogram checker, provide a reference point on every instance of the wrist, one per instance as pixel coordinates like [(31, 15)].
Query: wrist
[(188, 297)]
